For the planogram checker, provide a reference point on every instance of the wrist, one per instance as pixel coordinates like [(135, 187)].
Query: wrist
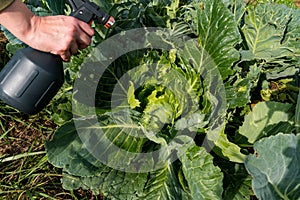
[(29, 29), (19, 20)]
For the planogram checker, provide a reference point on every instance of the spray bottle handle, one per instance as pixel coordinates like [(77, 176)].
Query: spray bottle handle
[(87, 11)]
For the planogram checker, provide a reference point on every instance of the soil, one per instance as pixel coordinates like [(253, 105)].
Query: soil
[(21, 137), (3, 54), (3, 41)]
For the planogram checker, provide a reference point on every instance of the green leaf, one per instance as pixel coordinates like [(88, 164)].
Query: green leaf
[(14, 46), (265, 28), (289, 3), (66, 151), (226, 149), (203, 177), (192, 123), (110, 183), (292, 35), (39, 11), (237, 7), (275, 167), (267, 118), (164, 184), (132, 101), (297, 114), (217, 33), (105, 5), (13, 41), (56, 7), (240, 189), (237, 181), (81, 169), (282, 72), (238, 90), (203, 65)]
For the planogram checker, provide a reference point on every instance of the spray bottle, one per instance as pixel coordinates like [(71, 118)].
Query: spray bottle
[(32, 78)]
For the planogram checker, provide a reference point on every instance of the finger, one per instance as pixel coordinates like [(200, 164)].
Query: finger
[(82, 46), (84, 41), (85, 27), (73, 48), (66, 57)]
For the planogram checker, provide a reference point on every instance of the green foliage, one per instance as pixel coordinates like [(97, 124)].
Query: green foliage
[(289, 3), (203, 178), (267, 26), (254, 49), (267, 118), (237, 182), (56, 7), (275, 167), (66, 151), (217, 35), (248, 53)]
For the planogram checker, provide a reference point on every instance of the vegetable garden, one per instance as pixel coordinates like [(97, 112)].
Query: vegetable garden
[(202, 103)]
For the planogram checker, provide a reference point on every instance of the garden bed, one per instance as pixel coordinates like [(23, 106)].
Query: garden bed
[(256, 54)]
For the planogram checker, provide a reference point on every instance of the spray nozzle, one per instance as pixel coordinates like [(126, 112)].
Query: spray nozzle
[(89, 11)]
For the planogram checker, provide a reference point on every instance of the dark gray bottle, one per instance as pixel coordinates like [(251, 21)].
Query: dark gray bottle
[(31, 79)]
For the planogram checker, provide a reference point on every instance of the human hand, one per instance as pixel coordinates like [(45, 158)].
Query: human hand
[(61, 35)]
